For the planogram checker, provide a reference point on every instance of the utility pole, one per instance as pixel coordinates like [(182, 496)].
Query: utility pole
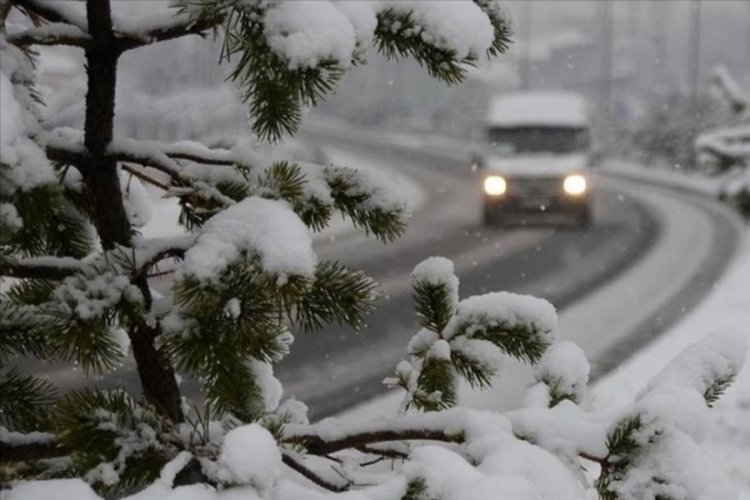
[(606, 74), (524, 66), (694, 45), (659, 16)]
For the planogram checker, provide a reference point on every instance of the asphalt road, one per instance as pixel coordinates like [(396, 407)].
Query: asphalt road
[(335, 368), (637, 229)]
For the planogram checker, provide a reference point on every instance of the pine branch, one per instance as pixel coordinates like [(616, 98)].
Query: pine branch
[(206, 156), (312, 476), (399, 35), (149, 154), (52, 34), (32, 450), (383, 452), (315, 444), (716, 389), (500, 24), (137, 173), (51, 12), (181, 25), (45, 268), (337, 294), (433, 303), (24, 400)]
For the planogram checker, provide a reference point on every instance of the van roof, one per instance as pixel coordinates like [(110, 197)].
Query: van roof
[(538, 108)]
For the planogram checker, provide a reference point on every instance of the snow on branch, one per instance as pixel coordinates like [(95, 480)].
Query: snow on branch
[(55, 12), (299, 467), (137, 32), (198, 153), (155, 155), (47, 268), (16, 447), (52, 34), (730, 89), (732, 142)]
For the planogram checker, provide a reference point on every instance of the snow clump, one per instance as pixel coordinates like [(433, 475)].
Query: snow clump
[(308, 33), (437, 271), (507, 309), (268, 229), (250, 455)]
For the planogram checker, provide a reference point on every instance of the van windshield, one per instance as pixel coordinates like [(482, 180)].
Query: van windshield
[(517, 140)]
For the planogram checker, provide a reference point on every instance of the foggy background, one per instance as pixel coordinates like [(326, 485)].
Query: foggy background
[(645, 66)]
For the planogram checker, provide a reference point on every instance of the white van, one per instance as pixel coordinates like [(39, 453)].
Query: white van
[(535, 158)]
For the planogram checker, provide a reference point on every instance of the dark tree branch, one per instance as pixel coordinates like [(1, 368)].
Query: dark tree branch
[(167, 252), (137, 173), (36, 269), (67, 156), (383, 452), (218, 158), (603, 462), (186, 26), (316, 445), (312, 476), (71, 36), (30, 451)]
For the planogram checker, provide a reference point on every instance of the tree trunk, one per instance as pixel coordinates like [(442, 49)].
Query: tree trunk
[(106, 203)]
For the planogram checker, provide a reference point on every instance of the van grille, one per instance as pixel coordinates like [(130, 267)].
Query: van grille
[(525, 186)]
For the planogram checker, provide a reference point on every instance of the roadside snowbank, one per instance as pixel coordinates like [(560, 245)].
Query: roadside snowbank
[(727, 307)]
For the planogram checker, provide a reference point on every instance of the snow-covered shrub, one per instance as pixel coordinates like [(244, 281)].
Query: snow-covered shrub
[(79, 290), (667, 130), (726, 149)]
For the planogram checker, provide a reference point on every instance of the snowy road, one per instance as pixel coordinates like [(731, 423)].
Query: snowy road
[(681, 243), (653, 251)]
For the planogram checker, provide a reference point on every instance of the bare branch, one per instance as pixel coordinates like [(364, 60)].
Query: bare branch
[(312, 476)]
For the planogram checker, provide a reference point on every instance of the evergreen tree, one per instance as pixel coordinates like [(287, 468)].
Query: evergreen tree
[(246, 278), (726, 150)]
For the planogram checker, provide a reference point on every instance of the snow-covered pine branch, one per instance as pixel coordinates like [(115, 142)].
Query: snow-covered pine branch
[(727, 149), (54, 12), (246, 279), (731, 90), (291, 44)]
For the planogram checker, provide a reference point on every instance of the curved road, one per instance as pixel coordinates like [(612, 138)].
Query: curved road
[(636, 226), (652, 253)]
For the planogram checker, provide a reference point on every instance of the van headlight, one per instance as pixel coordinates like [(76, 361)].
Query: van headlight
[(494, 185), (575, 184)]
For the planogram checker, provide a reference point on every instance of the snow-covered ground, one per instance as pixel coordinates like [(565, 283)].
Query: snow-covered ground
[(727, 306)]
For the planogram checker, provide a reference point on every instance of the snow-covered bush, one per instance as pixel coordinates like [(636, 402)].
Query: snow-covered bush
[(667, 129), (78, 287), (726, 150)]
